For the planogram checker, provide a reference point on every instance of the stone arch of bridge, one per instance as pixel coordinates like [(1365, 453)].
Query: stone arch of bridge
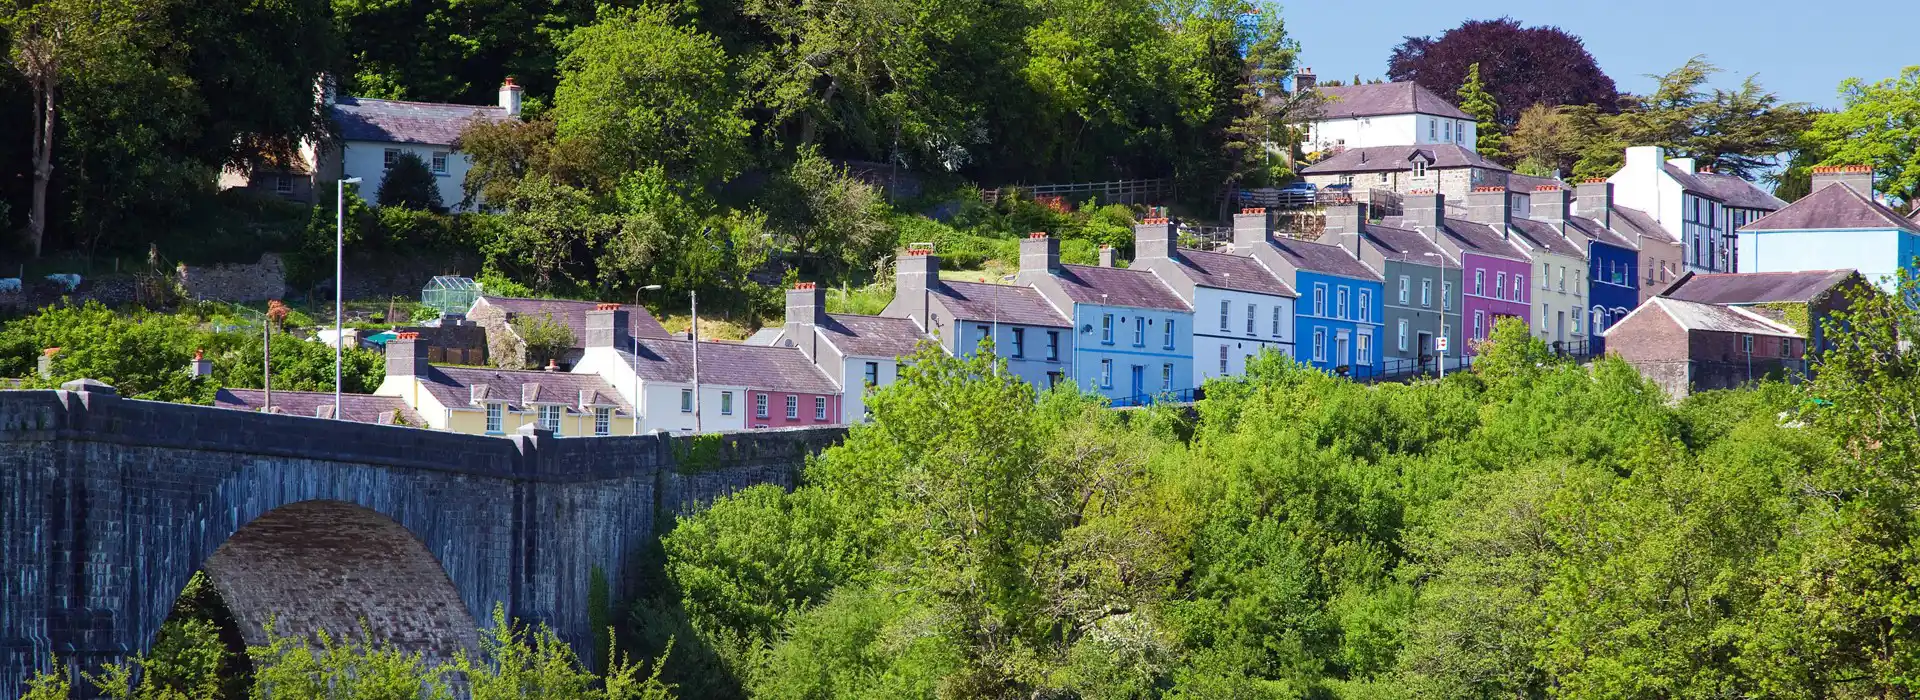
[(343, 568)]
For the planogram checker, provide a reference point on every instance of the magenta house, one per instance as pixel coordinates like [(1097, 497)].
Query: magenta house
[(1494, 269)]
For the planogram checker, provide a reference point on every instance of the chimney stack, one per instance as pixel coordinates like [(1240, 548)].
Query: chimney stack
[(1304, 80), (917, 271), (1106, 256), (1039, 254), (510, 94), (1645, 159), (200, 366), (1424, 209), (1251, 227), (1489, 205), (1858, 177), (806, 308), (1345, 218), (46, 362), (1154, 238), (608, 327), (406, 357), (1687, 165), (1595, 200), (1550, 204)]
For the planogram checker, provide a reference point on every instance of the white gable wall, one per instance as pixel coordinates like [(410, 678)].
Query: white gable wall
[(1391, 130), (367, 160)]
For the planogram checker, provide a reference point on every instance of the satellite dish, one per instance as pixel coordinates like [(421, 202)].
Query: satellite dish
[(788, 342)]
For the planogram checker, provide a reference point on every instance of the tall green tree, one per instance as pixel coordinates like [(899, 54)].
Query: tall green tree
[(1738, 132), (1475, 100), (1879, 126)]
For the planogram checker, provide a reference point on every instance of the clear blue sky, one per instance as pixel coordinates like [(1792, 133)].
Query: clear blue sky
[(1802, 50)]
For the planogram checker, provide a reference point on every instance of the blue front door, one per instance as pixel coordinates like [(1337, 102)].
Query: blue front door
[(1139, 380)]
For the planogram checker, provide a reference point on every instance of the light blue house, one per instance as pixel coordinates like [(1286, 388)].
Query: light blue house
[(1839, 226), (1339, 317), (1034, 339), (1132, 334)]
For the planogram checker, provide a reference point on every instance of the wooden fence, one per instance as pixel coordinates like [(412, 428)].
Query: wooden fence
[(1154, 191)]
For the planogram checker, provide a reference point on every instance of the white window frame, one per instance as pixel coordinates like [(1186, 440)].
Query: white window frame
[(793, 407), (1419, 168), (760, 405), (726, 403), (1167, 335), (1340, 302), (1139, 331), (1106, 329), (1226, 310), (1406, 289), (1403, 335), (1446, 295), (1364, 311), (283, 184), (1166, 377), (496, 418), (1363, 349), (1320, 299), (602, 421), (1106, 373), (819, 408), (550, 418), (1500, 285), (388, 156), (438, 162), (1480, 282), (1426, 294), (1319, 345), (1253, 314), (1479, 325), (686, 400), (1519, 287), (1223, 359), (1276, 320)]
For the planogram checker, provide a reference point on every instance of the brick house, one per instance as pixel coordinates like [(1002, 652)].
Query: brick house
[(1687, 346), (1800, 300)]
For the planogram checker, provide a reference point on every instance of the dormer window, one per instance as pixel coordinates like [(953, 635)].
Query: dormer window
[(495, 418), (1419, 167)]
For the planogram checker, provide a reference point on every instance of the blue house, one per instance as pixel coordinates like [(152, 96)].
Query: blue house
[(1840, 225), (1132, 334), (1612, 245), (1340, 315)]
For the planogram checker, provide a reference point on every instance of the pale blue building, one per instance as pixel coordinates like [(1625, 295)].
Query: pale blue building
[(1839, 226), (1132, 334)]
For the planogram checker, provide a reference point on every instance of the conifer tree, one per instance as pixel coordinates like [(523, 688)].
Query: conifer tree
[(1475, 100)]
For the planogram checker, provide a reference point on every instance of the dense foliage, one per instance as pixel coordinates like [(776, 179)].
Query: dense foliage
[(1879, 126), (1528, 529), (1522, 66)]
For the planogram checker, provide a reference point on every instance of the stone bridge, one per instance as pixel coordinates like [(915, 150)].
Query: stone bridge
[(109, 505)]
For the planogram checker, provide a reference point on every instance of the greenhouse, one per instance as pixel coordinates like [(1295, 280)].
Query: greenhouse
[(450, 294)]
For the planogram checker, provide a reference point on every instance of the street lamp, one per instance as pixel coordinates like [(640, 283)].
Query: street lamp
[(637, 403), (339, 279)]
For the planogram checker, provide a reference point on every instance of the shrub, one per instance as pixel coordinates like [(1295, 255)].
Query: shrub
[(410, 184)]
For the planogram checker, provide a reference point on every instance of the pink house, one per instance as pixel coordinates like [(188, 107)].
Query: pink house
[(779, 409)]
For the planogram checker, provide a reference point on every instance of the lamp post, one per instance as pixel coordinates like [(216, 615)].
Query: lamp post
[(637, 403), (693, 301), (339, 278)]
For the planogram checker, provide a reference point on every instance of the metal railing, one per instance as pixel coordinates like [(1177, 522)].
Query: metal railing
[(1181, 396)]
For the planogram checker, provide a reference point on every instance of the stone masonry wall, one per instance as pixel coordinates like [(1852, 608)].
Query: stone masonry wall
[(259, 281), (110, 505)]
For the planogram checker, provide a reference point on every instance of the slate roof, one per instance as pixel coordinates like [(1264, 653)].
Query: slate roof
[(1836, 206), (1546, 237), (573, 314), (1375, 159), (1233, 272), (1406, 245), (359, 408), (1348, 101), (981, 301), (1517, 182), (1688, 181), (1695, 316), (520, 390), (1322, 258), (730, 364), (871, 336), (1592, 229), (1756, 287), (1481, 239), (395, 121), (1115, 286), (1735, 191), (1640, 223)]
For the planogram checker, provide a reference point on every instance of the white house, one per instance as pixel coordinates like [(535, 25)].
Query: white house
[(1384, 114), (1240, 307), (859, 353), (1699, 209)]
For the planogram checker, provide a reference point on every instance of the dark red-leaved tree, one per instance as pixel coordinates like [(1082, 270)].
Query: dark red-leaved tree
[(1521, 66)]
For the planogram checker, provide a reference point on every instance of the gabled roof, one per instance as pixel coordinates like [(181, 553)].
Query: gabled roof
[(573, 314), (1005, 303), (871, 336), (1482, 239), (1755, 287), (729, 364), (1544, 236), (1322, 258), (1375, 159), (1735, 191), (1399, 244), (1349, 101), (1592, 229), (1694, 316), (1836, 206), (519, 389), (1232, 272), (1641, 224), (1519, 182), (1114, 286), (359, 408), (395, 121)]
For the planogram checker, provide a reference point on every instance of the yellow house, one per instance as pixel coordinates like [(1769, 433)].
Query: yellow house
[(481, 401)]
